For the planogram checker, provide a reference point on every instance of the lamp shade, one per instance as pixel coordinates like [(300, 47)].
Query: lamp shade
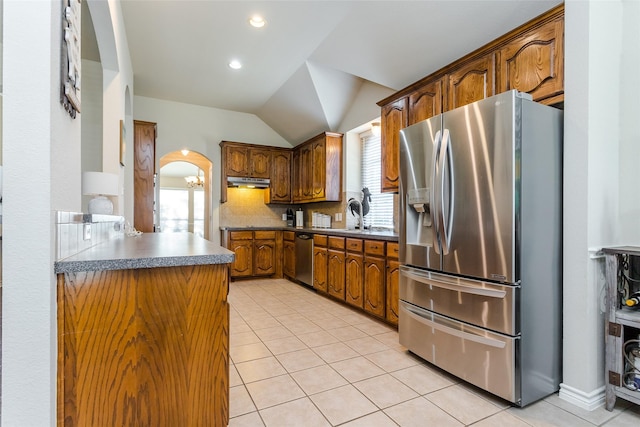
[(99, 183)]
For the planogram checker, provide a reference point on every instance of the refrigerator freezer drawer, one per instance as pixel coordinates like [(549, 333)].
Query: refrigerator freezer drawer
[(480, 357), (483, 304)]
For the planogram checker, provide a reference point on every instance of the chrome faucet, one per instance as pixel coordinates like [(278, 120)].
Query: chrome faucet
[(361, 219)]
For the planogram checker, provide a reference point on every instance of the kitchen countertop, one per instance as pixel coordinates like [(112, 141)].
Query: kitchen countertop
[(146, 251), (366, 234)]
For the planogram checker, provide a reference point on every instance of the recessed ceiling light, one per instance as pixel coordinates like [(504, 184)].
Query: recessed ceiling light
[(236, 65), (257, 21)]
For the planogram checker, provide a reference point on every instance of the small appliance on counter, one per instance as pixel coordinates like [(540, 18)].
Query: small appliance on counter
[(289, 217), (299, 218)]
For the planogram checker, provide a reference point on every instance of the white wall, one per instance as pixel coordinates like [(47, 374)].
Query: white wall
[(42, 141), (201, 129), (600, 156)]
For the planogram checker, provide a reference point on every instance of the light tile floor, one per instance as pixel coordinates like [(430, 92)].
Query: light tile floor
[(300, 359)]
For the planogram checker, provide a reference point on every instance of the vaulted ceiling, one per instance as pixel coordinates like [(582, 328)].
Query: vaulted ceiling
[(303, 70)]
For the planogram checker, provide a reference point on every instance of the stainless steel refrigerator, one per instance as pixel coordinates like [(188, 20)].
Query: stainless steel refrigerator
[(481, 244)]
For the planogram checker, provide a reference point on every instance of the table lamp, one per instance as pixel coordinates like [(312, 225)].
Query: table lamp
[(100, 185)]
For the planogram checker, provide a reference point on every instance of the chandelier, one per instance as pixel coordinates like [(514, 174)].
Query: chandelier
[(195, 181)]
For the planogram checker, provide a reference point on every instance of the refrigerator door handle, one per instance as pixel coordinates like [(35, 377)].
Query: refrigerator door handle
[(433, 196), (415, 314), (447, 220), (491, 293)]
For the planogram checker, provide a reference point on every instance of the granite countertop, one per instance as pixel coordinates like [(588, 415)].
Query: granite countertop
[(366, 234), (146, 251)]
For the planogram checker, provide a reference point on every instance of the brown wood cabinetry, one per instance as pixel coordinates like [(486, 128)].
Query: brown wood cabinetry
[(471, 82), (255, 253), (354, 273), (279, 190), (144, 169), (317, 169), (533, 63), (392, 283), (530, 59), (393, 118), (259, 163), (159, 355), (320, 256), (335, 267), (246, 160), (289, 256), (374, 277)]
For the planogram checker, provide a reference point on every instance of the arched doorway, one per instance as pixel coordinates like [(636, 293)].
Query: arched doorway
[(190, 163)]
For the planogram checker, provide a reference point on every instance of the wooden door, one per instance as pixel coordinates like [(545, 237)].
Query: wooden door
[(393, 118), (354, 276), (144, 169), (533, 63), (335, 273), (264, 257), (374, 299), (236, 161), (259, 163), (280, 187), (393, 289), (425, 102), (320, 269), (318, 149), (471, 82), (296, 170), (306, 173)]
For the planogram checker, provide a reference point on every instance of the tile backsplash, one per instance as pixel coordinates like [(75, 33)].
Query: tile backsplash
[(70, 231)]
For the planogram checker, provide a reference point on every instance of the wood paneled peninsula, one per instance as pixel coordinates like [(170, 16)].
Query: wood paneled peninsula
[(143, 333)]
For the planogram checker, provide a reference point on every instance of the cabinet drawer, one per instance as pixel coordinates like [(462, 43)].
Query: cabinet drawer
[(354, 245), (392, 250), (264, 234), (319, 240), (336, 242), (289, 236), (241, 235), (374, 247)]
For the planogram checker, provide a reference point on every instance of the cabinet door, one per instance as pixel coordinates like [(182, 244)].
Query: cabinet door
[(289, 267), (335, 276), (354, 276), (393, 296), (425, 102), (236, 161), (280, 187), (306, 173), (319, 169), (264, 257), (259, 163), (320, 269), (296, 192), (374, 273), (471, 82), (242, 265), (144, 149), (533, 63), (393, 118)]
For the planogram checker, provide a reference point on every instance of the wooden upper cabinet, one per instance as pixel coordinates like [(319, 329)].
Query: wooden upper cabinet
[(317, 169), (236, 160), (280, 186), (425, 102), (393, 118), (259, 163), (471, 82), (533, 63)]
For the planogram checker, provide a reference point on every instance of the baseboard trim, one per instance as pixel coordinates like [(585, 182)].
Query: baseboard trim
[(588, 401)]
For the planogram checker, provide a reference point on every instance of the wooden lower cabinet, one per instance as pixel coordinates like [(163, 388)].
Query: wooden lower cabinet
[(255, 253), (393, 290), (354, 279), (335, 273), (264, 257), (289, 259), (144, 347), (241, 243), (320, 269), (374, 275)]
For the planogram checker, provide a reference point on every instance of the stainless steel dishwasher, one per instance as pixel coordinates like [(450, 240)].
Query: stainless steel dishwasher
[(304, 258)]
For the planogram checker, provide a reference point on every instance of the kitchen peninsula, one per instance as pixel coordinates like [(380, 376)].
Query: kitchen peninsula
[(143, 331)]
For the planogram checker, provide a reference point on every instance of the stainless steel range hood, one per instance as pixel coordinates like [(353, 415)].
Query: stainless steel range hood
[(237, 181)]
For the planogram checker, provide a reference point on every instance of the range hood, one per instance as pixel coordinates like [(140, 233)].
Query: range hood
[(238, 181)]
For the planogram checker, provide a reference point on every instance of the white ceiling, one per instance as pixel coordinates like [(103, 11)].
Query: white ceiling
[(303, 70)]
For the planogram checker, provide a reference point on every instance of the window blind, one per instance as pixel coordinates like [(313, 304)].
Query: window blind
[(381, 205)]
